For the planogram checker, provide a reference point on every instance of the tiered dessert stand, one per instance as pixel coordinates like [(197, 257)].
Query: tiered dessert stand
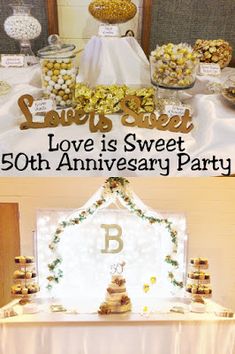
[(25, 280), (198, 284)]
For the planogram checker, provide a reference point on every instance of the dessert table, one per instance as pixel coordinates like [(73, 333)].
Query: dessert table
[(213, 135), (159, 333)]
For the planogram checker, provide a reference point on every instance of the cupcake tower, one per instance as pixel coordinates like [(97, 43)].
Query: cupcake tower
[(24, 277), (198, 280)]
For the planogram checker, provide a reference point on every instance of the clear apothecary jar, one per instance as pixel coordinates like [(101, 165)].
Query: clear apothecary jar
[(58, 71), (228, 89), (23, 27)]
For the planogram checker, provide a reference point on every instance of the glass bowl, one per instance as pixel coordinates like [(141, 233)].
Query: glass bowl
[(173, 66), (112, 11), (228, 90)]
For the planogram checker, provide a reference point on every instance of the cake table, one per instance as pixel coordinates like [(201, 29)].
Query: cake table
[(54, 333)]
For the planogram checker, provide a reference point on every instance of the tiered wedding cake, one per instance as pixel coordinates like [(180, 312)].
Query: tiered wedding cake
[(117, 300)]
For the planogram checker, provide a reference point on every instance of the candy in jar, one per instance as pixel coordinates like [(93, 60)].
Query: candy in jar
[(112, 11), (174, 66), (58, 71)]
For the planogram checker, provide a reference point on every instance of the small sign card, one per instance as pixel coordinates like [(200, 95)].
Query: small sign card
[(42, 106), (175, 110), (14, 60), (109, 31), (209, 69)]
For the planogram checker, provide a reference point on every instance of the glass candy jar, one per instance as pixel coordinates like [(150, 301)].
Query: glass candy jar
[(23, 27), (173, 67), (228, 90), (112, 11), (58, 71)]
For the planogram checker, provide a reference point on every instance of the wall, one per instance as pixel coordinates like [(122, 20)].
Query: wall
[(208, 204), (76, 25)]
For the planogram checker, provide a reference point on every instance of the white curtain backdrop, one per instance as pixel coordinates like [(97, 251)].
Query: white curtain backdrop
[(87, 270)]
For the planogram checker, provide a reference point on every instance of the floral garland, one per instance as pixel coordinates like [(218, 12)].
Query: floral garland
[(115, 187)]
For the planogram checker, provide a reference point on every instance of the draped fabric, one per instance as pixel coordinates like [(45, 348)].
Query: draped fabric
[(157, 334)]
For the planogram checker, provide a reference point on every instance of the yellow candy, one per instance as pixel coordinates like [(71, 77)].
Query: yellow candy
[(153, 280), (146, 288), (180, 61), (57, 65), (50, 65), (56, 72), (145, 309), (61, 93), (64, 66), (66, 77), (54, 78)]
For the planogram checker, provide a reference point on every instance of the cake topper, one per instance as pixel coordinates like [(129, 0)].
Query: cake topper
[(117, 268)]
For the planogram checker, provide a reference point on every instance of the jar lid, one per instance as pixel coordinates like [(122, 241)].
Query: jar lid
[(56, 48)]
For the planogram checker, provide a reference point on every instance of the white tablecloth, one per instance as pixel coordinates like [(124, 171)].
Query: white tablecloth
[(214, 133), (46, 333)]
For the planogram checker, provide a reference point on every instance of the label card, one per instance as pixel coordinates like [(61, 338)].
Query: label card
[(41, 106), (175, 110), (16, 60), (109, 31), (209, 69)]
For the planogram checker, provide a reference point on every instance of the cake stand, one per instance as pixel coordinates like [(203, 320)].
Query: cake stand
[(198, 286), (25, 283)]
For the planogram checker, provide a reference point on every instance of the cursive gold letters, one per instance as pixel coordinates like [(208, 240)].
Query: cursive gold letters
[(175, 124), (53, 119)]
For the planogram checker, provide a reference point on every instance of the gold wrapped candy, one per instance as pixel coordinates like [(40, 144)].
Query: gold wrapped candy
[(174, 66), (106, 99), (112, 11), (215, 51)]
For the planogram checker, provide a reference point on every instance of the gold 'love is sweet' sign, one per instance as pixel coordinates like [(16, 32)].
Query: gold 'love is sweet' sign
[(65, 118), (177, 124)]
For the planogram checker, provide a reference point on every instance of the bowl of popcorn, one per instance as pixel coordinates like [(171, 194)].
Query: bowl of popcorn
[(112, 11), (58, 71), (174, 66), (216, 51)]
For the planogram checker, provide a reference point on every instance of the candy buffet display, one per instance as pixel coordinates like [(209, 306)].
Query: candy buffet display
[(23, 27), (117, 300), (173, 66), (58, 71), (215, 51), (112, 11), (107, 98), (198, 283), (25, 285)]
